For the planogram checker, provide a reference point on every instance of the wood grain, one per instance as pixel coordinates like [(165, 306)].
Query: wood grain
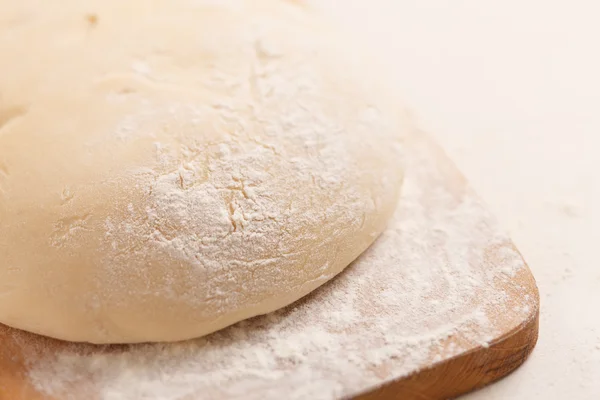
[(466, 372)]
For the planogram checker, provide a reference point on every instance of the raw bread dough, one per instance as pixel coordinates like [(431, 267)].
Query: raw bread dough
[(168, 168)]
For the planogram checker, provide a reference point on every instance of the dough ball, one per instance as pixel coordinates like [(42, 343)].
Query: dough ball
[(171, 167)]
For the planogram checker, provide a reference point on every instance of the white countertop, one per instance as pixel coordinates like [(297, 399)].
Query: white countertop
[(511, 89)]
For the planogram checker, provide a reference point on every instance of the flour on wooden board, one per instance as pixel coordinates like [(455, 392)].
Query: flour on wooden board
[(424, 292)]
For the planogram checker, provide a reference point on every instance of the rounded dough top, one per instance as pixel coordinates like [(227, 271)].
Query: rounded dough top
[(168, 168)]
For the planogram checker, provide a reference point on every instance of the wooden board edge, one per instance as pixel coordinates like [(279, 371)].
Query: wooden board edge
[(468, 371)]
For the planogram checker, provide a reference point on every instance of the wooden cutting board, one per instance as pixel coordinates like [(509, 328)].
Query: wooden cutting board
[(440, 305)]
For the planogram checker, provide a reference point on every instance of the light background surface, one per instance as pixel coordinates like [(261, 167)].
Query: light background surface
[(511, 89)]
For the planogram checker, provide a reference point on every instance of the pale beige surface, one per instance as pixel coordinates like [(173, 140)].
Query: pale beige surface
[(520, 118), (210, 167), (511, 89)]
